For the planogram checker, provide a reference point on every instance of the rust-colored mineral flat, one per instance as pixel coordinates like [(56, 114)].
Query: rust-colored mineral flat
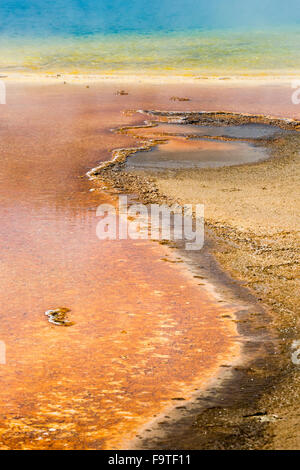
[(144, 331)]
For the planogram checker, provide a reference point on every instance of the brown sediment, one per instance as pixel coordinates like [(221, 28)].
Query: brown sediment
[(178, 98), (254, 235)]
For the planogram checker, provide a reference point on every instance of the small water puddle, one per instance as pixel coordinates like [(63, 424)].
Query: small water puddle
[(179, 153)]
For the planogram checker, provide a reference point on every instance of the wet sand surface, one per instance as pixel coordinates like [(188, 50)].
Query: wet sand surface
[(144, 332)]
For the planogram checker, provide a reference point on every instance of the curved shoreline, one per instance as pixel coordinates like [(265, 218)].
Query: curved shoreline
[(175, 434)]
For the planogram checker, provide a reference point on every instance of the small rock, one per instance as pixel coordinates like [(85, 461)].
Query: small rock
[(59, 317)]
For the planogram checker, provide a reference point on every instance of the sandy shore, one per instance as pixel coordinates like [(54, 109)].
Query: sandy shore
[(252, 217)]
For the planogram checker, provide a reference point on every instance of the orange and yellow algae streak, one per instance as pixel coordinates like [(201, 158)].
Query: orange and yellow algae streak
[(144, 332)]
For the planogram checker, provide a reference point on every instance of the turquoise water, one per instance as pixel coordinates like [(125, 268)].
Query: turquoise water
[(188, 36), (196, 53)]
